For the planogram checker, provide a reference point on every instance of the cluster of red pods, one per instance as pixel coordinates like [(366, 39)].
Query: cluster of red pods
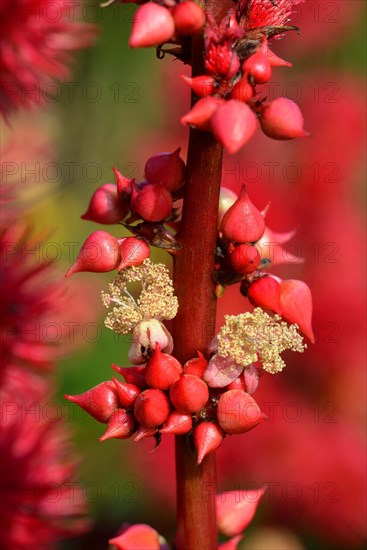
[(164, 397)]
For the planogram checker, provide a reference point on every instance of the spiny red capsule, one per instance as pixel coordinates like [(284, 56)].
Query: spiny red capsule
[(258, 66), (203, 85), (151, 408), (124, 185), (152, 25), (243, 222), (282, 119), (196, 366), (177, 424), (238, 412), (167, 169), (100, 253), (132, 375), (153, 203), (137, 537), (201, 114), (245, 258), (127, 393), (100, 401), (207, 438), (133, 252), (265, 293), (121, 425), (189, 18), (162, 370), (296, 305), (189, 394), (233, 124), (105, 206)]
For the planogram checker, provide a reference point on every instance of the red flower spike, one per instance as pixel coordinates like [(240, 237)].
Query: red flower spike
[(265, 293), (196, 366), (162, 370), (127, 393), (151, 408), (258, 67), (152, 25), (238, 412), (282, 119), (142, 433), (167, 169), (132, 375), (296, 305), (207, 438), (137, 537), (100, 253), (203, 85), (177, 424), (124, 185), (189, 18), (243, 90), (236, 509), (121, 425), (221, 371), (100, 401), (245, 259), (105, 206), (153, 203), (243, 222), (189, 394), (133, 252), (201, 113), (233, 124)]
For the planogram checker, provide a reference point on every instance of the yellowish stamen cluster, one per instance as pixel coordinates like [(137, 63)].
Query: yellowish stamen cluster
[(251, 337), (156, 299)]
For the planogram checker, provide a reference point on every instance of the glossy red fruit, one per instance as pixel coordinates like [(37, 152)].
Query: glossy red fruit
[(133, 252), (245, 259), (100, 253), (258, 67), (127, 393), (233, 124), (189, 394), (196, 366), (238, 384), (243, 90), (105, 206), (238, 412), (203, 85), (296, 305), (142, 433), (177, 424), (162, 370), (167, 169), (100, 401), (153, 203), (121, 425), (265, 293), (151, 408), (132, 375), (207, 438), (189, 18), (152, 25), (282, 119), (243, 222), (201, 114)]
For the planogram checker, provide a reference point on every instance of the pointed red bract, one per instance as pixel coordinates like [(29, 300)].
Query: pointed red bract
[(100, 253), (233, 124), (132, 375), (127, 393), (105, 206), (121, 425), (236, 509), (152, 25), (296, 305), (153, 203), (137, 537), (151, 408), (207, 438), (201, 114), (189, 394), (162, 370), (203, 85), (238, 412), (133, 252), (243, 222), (124, 185), (100, 401), (196, 366), (282, 119), (189, 18), (167, 169), (265, 293), (177, 424)]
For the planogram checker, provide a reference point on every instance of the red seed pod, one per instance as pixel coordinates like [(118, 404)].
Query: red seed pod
[(124, 185), (203, 85), (207, 438), (296, 305), (152, 25), (189, 18), (142, 433), (282, 119), (238, 384), (245, 258), (162, 370), (132, 375), (167, 169), (258, 66), (196, 366), (189, 394), (243, 222), (127, 393), (105, 206), (177, 424), (233, 124), (151, 408), (100, 401), (133, 252), (238, 412), (243, 90), (153, 203), (100, 253), (226, 199), (201, 114), (121, 425), (137, 537), (265, 293)]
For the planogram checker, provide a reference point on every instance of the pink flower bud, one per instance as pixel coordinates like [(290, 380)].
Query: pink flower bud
[(121, 425), (127, 393), (189, 18), (203, 85), (177, 424), (196, 366), (132, 375), (236, 509), (207, 438), (162, 370), (243, 222), (137, 537), (296, 305), (124, 185), (99, 253), (201, 113), (245, 258), (258, 66), (153, 203), (233, 124), (238, 412), (100, 401), (152, 25), (226, 199), (265, 293), (221, 371), (142, 433), (167, 169), (189, 394), (243, 90), (282, 119), (105, 206), (151, 408), (133, 252), (145, 337)]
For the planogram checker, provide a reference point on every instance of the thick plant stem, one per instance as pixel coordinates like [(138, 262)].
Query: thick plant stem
[(194, 325)]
